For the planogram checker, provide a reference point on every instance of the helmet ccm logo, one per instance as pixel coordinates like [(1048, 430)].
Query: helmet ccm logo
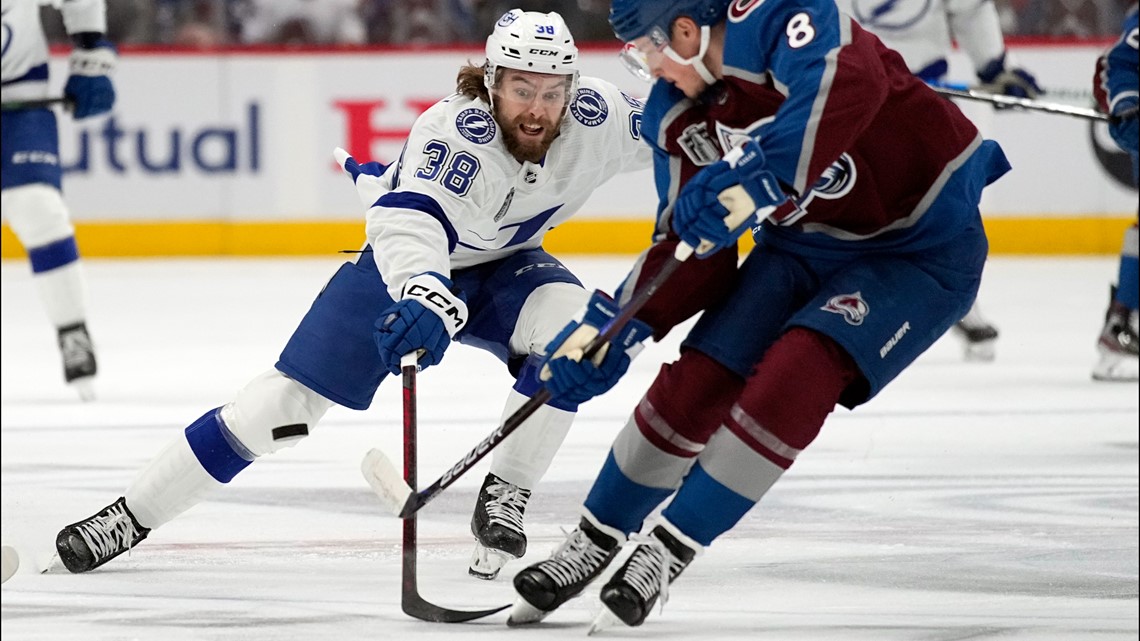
[(543, 52)]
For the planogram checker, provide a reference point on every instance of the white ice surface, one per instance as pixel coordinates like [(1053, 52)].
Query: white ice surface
[(968, 501)]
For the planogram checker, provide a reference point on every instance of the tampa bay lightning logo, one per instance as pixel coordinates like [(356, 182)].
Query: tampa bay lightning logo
[(889, 15), (589, 107), (475, 125)]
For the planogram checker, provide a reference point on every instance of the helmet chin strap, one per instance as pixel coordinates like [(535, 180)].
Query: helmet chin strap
[(697, 62)]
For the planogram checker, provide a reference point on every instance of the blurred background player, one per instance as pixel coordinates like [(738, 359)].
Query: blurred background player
[(1115, 86), (455, 231), (861, 186), (923, 32), (32, 200)]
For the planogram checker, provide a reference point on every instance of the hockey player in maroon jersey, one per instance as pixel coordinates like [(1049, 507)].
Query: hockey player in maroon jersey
[(861, 187)]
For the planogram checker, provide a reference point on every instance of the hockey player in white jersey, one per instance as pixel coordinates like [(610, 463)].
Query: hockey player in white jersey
[(454, 252), (31, 174), (923, 32)]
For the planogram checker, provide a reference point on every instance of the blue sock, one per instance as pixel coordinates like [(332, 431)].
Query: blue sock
[(704, 508), (617, 501), (216, 448), (1128, 280), (53, 255)]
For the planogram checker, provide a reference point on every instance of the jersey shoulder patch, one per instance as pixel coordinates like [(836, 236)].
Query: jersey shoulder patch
[(476, 125), (589, 107)]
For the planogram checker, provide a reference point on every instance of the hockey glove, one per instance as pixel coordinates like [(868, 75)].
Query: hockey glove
[(997, 78), (1124, 129), (720, 202), (572, 380), (425, 319), (89, 86)]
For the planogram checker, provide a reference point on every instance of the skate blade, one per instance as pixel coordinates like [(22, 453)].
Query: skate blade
[(603, 621), (1116, 370), (10, 562), (85, 387), (55, 566), (981, 352), (486, 562), (523, 613)]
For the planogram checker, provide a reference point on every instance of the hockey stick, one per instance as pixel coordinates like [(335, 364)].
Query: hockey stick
[(399, 496), (411, 602), (67, 103), (1027, 104)]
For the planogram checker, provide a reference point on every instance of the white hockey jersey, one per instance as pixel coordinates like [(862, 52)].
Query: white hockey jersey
[(923, 31), (457, 198), (25, 54)]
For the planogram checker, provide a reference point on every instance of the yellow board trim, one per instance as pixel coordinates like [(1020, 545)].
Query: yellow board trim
[(1038, 236)]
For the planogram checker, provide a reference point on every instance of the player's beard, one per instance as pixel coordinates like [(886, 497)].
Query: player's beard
[(529, 150)]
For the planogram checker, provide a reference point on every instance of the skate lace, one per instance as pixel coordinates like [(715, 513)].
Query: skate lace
[(651, 568), (507, 506), (107, 534), (75, 347), (574, 560)]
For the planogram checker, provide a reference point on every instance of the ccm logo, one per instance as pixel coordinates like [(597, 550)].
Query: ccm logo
[(543, 52), (439, 300)]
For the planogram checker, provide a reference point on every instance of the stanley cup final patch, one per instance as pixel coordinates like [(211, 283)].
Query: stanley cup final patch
[(851, 307)]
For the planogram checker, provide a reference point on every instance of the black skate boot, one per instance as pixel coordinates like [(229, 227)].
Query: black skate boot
[(498, 526), (87, 544), (1118, 344), (634, 588), (546, 585), (979, 334), (79, 366)]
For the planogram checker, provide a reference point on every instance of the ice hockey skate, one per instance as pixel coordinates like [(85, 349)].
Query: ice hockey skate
[(546, 585), (1117, 346), (632, 591), (87, 544), (980, 336), (498, 527), (79, 365)]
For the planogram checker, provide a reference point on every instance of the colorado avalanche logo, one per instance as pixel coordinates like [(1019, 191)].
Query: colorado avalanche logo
[(889, 15), (589, 107), (475, 125), (851, 307), (739, 9), (837, 180)]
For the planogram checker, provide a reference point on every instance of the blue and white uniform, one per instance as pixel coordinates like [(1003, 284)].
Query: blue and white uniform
[(30, 172), (457, 204)]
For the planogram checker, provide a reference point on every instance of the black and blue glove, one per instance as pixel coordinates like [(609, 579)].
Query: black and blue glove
[(570, 378), (1001, 79), (721, 201), (424, 320), (1123, 126), (89, 86)]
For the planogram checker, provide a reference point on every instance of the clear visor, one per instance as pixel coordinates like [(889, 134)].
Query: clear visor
[(535, 89), (642, 55)]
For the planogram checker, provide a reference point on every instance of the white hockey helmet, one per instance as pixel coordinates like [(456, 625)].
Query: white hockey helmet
[(531, 41)]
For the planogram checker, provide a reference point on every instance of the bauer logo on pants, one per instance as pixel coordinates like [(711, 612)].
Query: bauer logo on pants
[(851, 306)]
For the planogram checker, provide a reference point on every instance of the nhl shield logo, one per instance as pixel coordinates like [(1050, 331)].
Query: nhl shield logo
[(851, 307)]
